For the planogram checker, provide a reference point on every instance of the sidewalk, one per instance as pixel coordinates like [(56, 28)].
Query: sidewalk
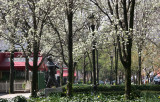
[(4, 95)]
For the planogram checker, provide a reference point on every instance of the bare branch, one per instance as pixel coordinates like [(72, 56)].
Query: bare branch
[(59, 37), (96, 3)]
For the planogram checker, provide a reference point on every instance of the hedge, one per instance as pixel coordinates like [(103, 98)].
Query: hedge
[(84, 88)]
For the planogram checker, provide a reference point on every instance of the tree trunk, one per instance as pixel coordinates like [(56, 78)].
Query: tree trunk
[(74, 68), (87, 77), (139, 66), (111, 58), (35, 71), (90, 63), (94, 67), (94, 58), (70, 47), (134, 78), (84, 70), (77, 76), (26, 69), (125, 55), (126, 9), (11, 90), (61, 77), (127, 82), (97, 69), (122, 77), (116, 64), (91, 77)]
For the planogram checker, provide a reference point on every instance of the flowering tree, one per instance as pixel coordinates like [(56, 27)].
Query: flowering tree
[(145, 13), (65, 30), (121, 17), (32, 16), (9, 30)]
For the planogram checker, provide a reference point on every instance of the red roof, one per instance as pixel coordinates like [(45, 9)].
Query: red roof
[(19, 63)]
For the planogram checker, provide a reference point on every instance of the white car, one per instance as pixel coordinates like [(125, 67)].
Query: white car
[(156, 79)]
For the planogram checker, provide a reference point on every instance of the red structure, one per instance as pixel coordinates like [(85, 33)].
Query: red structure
[(19, 65), (65, 72), (19, 61)]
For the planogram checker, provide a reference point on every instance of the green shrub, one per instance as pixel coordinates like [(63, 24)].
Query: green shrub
[(150, 96), (110, 88), (19, 99), (138, 92), (3, 100), (84, 88), (146, 87), (55, 94), (144, 97), (135, 94)]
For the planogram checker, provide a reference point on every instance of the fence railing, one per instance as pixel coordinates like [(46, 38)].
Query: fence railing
[(18, 86)]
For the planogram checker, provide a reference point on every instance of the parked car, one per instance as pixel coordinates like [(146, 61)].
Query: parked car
[(101, 82), (156, 79)]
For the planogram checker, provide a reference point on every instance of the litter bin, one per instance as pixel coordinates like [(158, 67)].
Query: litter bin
[(41, 80)]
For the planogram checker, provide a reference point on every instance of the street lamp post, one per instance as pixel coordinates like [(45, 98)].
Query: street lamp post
[(92, 26)]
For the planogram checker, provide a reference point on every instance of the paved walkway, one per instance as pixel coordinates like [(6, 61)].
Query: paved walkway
[(4, 95)]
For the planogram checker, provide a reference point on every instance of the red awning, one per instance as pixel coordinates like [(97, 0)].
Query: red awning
[(65, 72), (5, 64)]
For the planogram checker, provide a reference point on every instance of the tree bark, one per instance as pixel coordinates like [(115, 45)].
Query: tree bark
[(11, 90), (94, 67), (127, 82), (74, 68), (70, 47), (36, 44), (91, 77), (116, 64), (111, 58), (97, 69), (61, 77), (84, 70), (77, 78), (26, 69), (125, 56), (90, 67), (35, 71), (139, 66)]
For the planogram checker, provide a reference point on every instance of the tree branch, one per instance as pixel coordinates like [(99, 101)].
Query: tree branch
[(96, 3), (59, 37)]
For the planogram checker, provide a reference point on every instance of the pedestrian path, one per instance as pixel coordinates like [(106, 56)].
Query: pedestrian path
[(4, 95)]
